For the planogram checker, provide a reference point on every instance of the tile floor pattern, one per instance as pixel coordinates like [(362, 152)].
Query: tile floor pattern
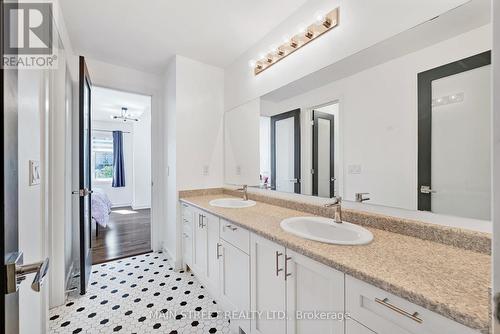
[(140, 294)]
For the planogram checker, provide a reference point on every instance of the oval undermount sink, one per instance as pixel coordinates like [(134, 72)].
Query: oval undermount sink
[(232, 203), (326, 230)]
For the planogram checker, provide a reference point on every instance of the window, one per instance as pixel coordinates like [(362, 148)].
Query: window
[(102, 149)]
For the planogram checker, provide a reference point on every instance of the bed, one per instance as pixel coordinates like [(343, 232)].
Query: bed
[(101, 208)]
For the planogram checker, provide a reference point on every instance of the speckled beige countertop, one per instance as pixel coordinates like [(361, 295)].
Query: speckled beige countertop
[(450, 281)]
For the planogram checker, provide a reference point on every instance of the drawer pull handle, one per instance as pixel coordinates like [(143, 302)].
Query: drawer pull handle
[(232, 228), (278, 269), (287, 258), (217, 251), (412, 316)]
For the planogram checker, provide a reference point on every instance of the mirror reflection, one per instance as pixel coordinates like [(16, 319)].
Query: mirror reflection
[(404, 124)]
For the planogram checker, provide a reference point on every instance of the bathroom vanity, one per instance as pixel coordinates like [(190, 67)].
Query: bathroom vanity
[(395, 284)]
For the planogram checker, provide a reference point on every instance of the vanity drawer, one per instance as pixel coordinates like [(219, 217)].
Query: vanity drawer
[(235, 235), (186, 213), (384, 312)]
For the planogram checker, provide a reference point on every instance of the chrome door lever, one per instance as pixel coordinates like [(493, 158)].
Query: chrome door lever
[(426, 190), (16, 272)]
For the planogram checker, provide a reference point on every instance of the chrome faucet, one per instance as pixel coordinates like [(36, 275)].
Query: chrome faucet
[(244, 189), (338, 209), (361, 198)]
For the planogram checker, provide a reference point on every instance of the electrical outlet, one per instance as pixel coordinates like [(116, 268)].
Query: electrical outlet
[(205, 170)]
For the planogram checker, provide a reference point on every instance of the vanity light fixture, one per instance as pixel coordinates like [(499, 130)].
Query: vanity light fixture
[(323, 24)]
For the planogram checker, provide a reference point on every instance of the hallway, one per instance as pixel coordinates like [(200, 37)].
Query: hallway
[(140, 294)]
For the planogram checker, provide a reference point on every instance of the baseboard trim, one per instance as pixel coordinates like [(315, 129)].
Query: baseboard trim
[(141, 207), (177, 264)]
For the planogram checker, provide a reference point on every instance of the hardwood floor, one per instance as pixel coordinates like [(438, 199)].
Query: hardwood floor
[(126, 235)]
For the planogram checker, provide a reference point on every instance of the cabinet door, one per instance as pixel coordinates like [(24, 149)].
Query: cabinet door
[(200, 245), (267, 286), (235, 280), (353, 327), (187, 246), (313, 290), (211, 225)]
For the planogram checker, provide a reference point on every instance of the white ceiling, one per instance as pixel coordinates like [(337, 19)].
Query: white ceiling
[(145, 34), (107, 103)]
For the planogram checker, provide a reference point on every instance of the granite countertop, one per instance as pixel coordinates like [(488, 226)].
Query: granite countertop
[(450, 281)]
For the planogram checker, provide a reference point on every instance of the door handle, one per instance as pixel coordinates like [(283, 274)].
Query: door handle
[(16, 272), (40, 268), (426, 190), (82, 192)]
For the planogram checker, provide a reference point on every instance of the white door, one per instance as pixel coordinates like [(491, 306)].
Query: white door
[(235, 280), (200, 245), (211, 225), (267, 286), (461, 144), (311, 287)]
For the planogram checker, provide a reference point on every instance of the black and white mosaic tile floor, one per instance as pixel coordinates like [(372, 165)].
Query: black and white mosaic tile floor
[(140, 294)]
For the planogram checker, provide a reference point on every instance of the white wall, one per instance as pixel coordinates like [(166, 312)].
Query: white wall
[(379, 118), (194, 97), (496, 161), (30, 223), (242, 166), (121, 196), (141, 194), (362, 24), (171, 231), (265, 147)]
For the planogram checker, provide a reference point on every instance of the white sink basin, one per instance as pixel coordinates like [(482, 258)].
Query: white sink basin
[(232, 203), (325, 230)]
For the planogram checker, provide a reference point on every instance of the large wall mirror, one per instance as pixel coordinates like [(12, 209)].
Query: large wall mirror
[(403, 124)]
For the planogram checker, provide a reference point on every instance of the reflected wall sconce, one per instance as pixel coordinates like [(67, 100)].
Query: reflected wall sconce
[(323, 24)]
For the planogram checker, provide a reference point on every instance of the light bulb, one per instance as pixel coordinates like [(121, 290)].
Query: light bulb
[(273, 49), (252, 63), (319, 17), (301, 29), (286, 39)]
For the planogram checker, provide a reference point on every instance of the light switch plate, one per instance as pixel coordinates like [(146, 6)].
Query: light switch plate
[(354, 169), (34, 172)]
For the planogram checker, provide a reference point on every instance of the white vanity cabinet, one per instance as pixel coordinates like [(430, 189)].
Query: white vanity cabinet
[(205, 259), (200, 237), (187, 216), (385, 313), (235, 282), (283, 289), (314, 296), (294, 285), (267, 286)]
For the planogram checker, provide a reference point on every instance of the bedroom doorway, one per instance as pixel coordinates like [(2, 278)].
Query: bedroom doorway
[(121, 174)]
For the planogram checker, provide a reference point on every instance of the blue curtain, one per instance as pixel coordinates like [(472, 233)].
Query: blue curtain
[(118, 164)]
